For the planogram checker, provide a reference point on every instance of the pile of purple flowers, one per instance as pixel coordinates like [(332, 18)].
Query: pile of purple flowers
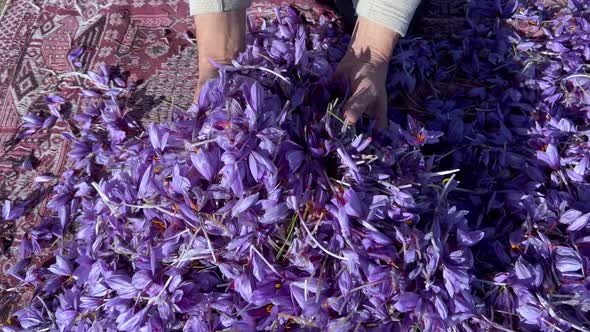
[(261, 209)]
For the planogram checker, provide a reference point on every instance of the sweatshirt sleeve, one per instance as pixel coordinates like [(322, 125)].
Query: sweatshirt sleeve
[(216, 6), (394, 14)]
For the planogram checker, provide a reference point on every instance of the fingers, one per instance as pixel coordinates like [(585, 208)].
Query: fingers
[(355, 106), (206, 72), (197, 93), (367, 101), (341, 73), (200, 85)]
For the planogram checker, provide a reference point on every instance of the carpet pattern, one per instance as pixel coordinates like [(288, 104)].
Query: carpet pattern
[(147, 38)]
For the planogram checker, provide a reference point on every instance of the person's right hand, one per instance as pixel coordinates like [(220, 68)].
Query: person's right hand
[(366, 79), (364, 67), (220, 37)]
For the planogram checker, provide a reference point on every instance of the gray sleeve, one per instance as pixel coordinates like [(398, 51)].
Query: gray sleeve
[(394, 14), (216, 6)]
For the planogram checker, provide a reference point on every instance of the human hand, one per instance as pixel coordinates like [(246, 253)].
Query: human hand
[(366, 79), (365, 67), (220, 37), (206, 72)]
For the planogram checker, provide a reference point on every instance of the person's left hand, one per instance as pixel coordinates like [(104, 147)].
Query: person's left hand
[(206, 72), (220, 37)]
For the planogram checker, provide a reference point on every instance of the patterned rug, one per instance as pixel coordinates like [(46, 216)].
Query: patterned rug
[(146, 38)]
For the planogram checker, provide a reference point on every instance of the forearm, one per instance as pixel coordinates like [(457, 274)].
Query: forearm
[(372, 41), (393, 14), (220, 36), (198, 7)]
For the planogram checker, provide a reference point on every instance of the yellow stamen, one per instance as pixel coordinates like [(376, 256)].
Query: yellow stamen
[(420, 137), (159, 223), (193, 205)]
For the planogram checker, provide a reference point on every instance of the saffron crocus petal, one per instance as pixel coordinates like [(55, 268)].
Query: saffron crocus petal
[(550, 156), (44, 178), (244, 204), (567, 260), (134, 322), (55, 99), (206, 162), (144, 185), (379, 237), (523, 270), (49, 121), (91, 93), (570, 216), (19, 269), (154, 133), (195, 324), (469, 238), (62, 267), (75, 53), (121, 283), (141, 279), (55, 110), (441, 307), (579, 223), (101, 80), (64, 318), (347, 161), (354, 205), (582, 166), (33, 119), (243, 284), (259, 165), (407, 302), (116, 135), (179, 182), (6, 209), (345, 282), (295, 159), (11, 211), (275, 214), (30, 318), (120, 82), (256, 97), (300, 51)]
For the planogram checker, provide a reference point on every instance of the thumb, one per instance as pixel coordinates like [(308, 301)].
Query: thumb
[(355, 107)]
